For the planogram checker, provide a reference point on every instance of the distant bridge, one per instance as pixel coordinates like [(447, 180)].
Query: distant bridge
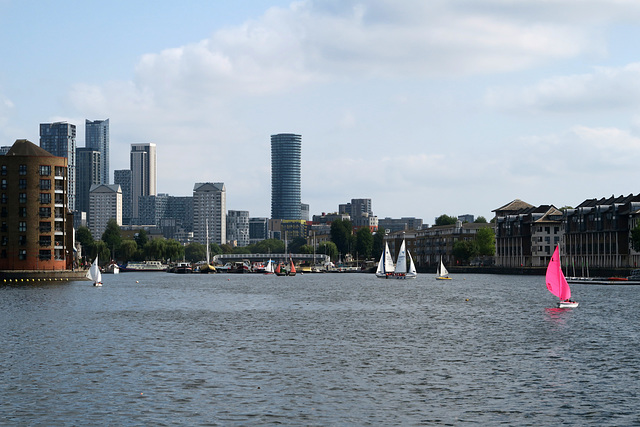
[(314, 259)]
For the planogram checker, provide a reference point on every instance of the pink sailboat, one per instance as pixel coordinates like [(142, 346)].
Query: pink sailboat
[(557, 283)]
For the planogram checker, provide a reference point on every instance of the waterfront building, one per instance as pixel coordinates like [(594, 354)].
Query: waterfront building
[(105, 204), (258, 229), (89, 172), (597, 233), (304, 211), (466, 218), (526, 235), (328, 218), (59, 139), (123, 179), (173, 216), (210, 209), (4, 149), (285, 176), (143, 173), (36, 231), (238, 228), (97, 138), (363, 219), (391, 225), (356, 207)]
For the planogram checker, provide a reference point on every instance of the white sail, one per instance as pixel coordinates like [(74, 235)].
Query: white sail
[(207, 238), (94, 273), (412, 266), (388, 260), (441, 271), (401, 262), (380, 270), (269, 268)]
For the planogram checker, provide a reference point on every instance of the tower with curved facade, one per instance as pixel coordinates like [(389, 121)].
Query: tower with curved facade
[(285, 176)]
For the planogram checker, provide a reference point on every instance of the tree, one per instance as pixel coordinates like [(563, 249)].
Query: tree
[(141, 238), (155, 249), (195, 252), (481, 220), (378, 244), (128, 249), (446, 220), (226, 248), (328, 248), (83, 235), (364, 242), (269, 246), (464, 250), (305, 249), (341, 232), (214, 249), (296, 243), (100, 249), (173, 250), (111, 235), (635, 238), (486, 239)]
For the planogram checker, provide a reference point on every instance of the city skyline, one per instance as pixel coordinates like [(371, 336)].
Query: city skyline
[(466, 103)]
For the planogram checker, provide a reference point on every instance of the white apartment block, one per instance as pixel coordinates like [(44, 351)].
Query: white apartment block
[(105, 203), (210, 211)]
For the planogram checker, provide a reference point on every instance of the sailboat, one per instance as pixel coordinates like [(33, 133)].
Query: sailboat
[(207, 267), (441, 272), (385, 265), (269, 268), (94, 273), (292, 268), (401, 265), (557, 283)]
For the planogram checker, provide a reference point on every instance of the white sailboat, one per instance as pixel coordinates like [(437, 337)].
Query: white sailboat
[(94, 273), (401, 271), (441, 272), (269, 268), (385, 265)]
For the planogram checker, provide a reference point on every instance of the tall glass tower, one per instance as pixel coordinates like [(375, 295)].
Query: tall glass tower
[(59, 139), (143, 173), (285, 176), (97, 137)]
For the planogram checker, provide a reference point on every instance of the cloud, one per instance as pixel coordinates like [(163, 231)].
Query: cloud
[(604, 89)]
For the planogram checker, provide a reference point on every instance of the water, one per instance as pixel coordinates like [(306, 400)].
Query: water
[(325, 349)]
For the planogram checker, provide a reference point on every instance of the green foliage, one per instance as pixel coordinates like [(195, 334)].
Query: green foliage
[(173, 250), (635, 238), (296, 243), (155, 249), (486, 240), (128, 248), (273, 246), (481, 220), (83, 235), (446, 220), (195, 252), (305, 249), (241, 250), (111, 235), (464, 250), (141, 239), (226, 248), (100, 249), (341, 232), (364, 242), (328, 248), (378, 244)]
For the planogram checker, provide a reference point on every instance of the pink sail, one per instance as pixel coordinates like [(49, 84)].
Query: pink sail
[(556, 282)]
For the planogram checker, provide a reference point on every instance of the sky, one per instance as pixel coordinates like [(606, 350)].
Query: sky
[(426, 107)]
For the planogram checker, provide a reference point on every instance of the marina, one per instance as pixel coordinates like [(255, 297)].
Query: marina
[(317, 349)]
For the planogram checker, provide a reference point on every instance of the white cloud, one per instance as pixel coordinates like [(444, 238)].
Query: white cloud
[(605, 88)]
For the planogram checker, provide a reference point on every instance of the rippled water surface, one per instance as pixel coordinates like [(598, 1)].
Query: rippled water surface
[(324, 349)]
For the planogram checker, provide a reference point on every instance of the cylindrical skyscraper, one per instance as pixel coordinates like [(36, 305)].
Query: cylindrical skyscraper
[(285, 176)]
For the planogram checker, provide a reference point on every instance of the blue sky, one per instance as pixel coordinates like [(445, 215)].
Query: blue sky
[(445, 106)]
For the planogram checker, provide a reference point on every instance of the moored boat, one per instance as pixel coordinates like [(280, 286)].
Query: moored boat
[(385, 265), (144, 266), (401, 271)]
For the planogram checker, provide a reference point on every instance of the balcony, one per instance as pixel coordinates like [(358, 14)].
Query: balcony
[(46, 243)]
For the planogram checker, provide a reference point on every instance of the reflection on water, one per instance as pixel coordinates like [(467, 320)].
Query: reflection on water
[(331, 349)]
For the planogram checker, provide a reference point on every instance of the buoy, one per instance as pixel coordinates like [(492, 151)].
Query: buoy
[(467, 299), (137, 281)]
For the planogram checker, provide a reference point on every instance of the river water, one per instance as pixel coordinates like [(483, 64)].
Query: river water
[(317, 349)]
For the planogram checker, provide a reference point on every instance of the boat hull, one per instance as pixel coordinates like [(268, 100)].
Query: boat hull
[(565, 304), (443, 278)]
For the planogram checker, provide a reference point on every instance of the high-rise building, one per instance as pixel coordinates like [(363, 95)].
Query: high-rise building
[(106, 204), (122, 177), (89, 172), (59, 139), (238, 227), (97, 137), (258, 229), (143, 173), (210, 211), (36, 231), (285, 176)]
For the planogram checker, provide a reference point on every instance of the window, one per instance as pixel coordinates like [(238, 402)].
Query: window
[(22, 170), (45, 254), (22, 197), (45, 226), (3, 254), (45, 184), (22, 254), (45, 212), (22, 226), (4, 170), (22, 184), (22, 212), (5, 240), (3, 227), (45, 198), (45, 240), (3, 198), (45, 170), (3, 212), (22, 240), (3, 184)]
